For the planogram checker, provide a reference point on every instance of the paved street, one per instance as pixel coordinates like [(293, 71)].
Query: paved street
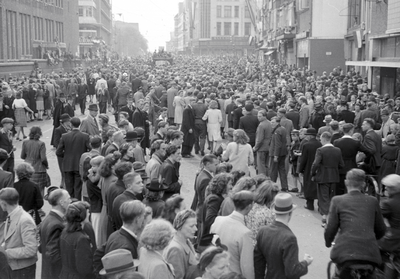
[(304, 223)]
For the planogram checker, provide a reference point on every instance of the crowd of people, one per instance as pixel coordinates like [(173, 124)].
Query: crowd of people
[(118, 212)]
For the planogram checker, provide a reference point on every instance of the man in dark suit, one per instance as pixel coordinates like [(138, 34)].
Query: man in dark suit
[(136, 83), (187, 129), (249, 123), (59, 109), (304, 167), (360, 222), (373, 143), (371, 112), (6, 143), (228, 111), (263, 140), (270, 111), (127, 237), (90, 125), (6, 179), (129, 108), (277, 153), (64, 128), (50, 231), (318, 116), (237, 113), (116, 189), (199, 109), (139, 119), (349, 148), (71, 148), (209, 163), (293, 115), (134, 186), (277, 245), (325, 170)]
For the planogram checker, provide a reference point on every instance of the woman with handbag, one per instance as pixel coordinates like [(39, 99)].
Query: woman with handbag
[(34, 152), (30, 197)]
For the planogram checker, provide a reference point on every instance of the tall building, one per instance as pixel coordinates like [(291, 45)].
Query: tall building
[(305, 33), (127, 39), (372, 43), (28, 29), (95, 26), (214, 27)]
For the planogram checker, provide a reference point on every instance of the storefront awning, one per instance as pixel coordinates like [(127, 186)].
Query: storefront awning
[(385, 64), (269, 52)]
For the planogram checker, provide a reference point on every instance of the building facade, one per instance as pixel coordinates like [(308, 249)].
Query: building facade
[(95, 27), (214, 27), (31, 28), (305, 33), (372, 43)]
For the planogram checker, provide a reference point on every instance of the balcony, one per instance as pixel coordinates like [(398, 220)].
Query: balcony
[(88, 20)]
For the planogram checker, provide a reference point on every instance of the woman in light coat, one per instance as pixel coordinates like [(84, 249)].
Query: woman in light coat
[(213, 116)]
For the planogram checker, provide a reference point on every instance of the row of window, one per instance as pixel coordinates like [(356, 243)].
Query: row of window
[(86, 11), (228, 11), (57, 3), (228, 29)]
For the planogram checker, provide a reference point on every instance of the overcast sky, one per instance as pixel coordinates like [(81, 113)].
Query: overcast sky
[(155, 18)]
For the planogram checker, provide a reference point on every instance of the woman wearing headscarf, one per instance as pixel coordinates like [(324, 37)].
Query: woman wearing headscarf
[(154, 239), (180, 252), (34, 152)]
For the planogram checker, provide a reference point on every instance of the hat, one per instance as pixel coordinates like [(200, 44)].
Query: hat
[(390, 138), (283, 204), (318, 105), (96, 140), (65, 117), (139, 166), (249, 107), (117, 261), (50, 189), (93, 107), (104, 117), (311, 131), (328, 118), (391, 181), (131, 136), (334, 124), (7, 120), (294, 131), (156, 186)]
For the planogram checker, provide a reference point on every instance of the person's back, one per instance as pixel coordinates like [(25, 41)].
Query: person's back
[(355, 224)]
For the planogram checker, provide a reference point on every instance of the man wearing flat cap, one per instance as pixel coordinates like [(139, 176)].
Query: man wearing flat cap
[(90, 124)]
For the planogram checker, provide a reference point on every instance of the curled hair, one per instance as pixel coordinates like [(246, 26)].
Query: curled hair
[(218, 185), (223, 167), (75, 214), (157, 235), (105, 169), (172, 149), (35, 133), (123, 149), (24, 170), (171, 204), (244, 184), (266, 193), (236, 175), (122, 168)]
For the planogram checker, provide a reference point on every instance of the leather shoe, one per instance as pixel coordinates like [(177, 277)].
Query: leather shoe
[(186, 156)]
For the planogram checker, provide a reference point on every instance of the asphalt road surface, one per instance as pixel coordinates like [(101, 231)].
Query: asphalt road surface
[(305, 224)]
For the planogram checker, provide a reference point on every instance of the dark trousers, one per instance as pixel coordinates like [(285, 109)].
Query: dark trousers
[(341, 187), (82, 105), (325, 191), (278, 167), (24, 273), (187, 150), (103, 107), (60, 166), (200, 136), (310, 204), (73, 183)]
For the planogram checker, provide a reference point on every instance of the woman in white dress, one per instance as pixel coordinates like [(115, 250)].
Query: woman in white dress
[(213, 116), (179, 104)]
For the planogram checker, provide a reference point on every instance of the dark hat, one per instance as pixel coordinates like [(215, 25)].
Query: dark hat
[(65, 117), (156, 186), (131, 136), (50, 189), (282, 110), (95, 141), (7, 120), (318, 105), (117, 261), (62, 95), (104, 117), (249, 107), (93, 107), (311, 131)]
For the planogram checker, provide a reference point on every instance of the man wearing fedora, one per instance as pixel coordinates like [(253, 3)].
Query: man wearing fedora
[(90, 125), (64, 128), (277, 245), (120, 264), (304, 166)]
